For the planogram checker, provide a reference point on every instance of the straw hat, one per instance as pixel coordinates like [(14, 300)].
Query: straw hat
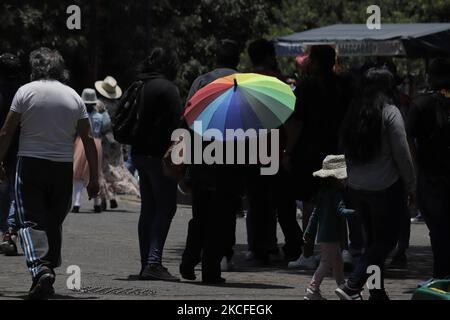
[(333, 166), (89, 96), (109, 88)]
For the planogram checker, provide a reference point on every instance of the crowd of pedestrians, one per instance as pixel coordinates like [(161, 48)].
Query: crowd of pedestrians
[(356, 159)]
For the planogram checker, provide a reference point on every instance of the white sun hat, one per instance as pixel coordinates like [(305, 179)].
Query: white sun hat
[(89, 96), (109, 88), (333, 166)]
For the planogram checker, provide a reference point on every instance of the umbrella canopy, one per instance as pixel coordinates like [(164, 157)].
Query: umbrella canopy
[(241, 101)]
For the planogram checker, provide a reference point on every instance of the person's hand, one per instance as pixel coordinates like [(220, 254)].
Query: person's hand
[(306, 238), (93, 189)]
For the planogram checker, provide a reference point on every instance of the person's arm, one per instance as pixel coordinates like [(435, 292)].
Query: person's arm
[(7, 132), (84, 131), (343, 210), (294, 125), (400, 149), (412, 125), (313, 222)]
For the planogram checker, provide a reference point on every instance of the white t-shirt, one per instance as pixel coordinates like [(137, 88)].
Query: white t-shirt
[(50, 112)]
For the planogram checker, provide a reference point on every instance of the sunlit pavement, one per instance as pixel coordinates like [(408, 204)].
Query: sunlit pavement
[(105, 247)]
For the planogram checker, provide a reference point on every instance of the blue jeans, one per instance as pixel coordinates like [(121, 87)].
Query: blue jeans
[(7, 203), (158, 206)]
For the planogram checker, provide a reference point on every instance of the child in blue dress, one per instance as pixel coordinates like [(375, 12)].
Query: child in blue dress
[(328, 221)]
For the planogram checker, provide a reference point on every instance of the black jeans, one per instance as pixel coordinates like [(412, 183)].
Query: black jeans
[(434, 204), (158, 207), (380, 213), (44, 197), (261, 216), (286, 210), (211, 229), (194, 243)]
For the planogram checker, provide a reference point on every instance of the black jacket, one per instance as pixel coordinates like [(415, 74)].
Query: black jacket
[(160, 111)]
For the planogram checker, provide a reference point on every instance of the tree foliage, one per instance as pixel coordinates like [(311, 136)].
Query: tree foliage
[(116, 35)]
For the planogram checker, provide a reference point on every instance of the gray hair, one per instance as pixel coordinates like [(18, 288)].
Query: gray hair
[(48, 64)]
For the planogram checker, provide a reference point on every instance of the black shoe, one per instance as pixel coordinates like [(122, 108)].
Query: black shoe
[(378, 295), (42, 286), (156, 272), (76, 209), (98, 209), (9, 245), (346, 293), (113, 204), (399, 261), (187, 272), (218, 280), (104, 205)]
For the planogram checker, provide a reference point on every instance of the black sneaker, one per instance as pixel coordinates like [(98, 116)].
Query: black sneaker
[(187, 272), (399, 261), (113, 204), (104, 207), (9, 245), (76, 209), (98, 209), (156, 272), (346, 293), (378, 295), (218, 280), (42, 286)]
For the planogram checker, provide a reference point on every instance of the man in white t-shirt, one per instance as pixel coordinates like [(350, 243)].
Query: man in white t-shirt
[(49, 114)]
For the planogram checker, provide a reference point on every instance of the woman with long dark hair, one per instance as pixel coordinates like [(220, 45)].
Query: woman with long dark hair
[(159, 116), (380, 169)]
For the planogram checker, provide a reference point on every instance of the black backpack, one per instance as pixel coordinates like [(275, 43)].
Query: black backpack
[(125, 124)]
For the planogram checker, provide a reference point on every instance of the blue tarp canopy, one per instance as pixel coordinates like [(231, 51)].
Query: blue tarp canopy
[(413, 40)]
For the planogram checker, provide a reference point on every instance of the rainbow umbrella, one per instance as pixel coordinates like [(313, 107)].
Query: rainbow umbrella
[(240, 101)]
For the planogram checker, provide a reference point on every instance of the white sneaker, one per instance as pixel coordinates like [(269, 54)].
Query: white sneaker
[(313, 295), (304, 263), (226, 265)]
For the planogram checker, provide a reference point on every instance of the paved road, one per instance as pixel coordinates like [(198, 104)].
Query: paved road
[(105, 247)]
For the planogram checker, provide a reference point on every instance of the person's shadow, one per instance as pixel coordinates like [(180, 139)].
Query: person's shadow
[(24, 296), (241, 285)]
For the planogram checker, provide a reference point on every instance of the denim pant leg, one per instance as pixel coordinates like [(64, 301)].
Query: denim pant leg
[(12, 214), (158, 196), (261, 218), (286, 208), (405, 228), (434, 203), (12, 219), (380, 215), (5, 202)]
